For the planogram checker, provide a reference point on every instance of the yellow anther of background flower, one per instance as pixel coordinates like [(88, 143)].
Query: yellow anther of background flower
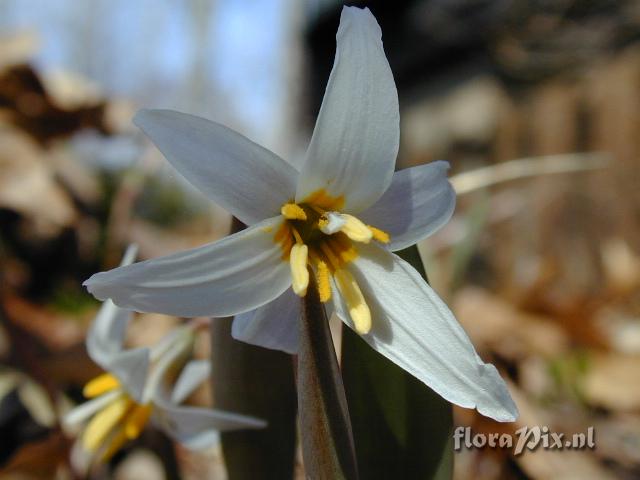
[(99, 385), (136, 420), (101, 425)]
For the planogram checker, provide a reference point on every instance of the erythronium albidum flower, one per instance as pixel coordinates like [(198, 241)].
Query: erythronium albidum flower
[(339, 217), (134, 388)]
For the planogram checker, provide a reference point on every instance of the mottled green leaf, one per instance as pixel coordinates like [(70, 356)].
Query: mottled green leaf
[(258, 382)]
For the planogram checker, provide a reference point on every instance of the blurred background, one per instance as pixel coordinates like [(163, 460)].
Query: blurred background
[(536, 105)]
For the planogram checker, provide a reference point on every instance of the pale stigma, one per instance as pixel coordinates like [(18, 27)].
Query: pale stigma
[(347, 224), (358, 308), (299, 271), (331, 223)]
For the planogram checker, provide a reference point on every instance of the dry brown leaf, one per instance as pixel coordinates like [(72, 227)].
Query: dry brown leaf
[(620, 328), (618, 439), (611, 381), (58, 332), (553, 464), (28, 186), (621, 265), (493, 323)]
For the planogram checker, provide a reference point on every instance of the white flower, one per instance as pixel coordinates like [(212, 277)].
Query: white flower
[(134, 388), (340, 215)]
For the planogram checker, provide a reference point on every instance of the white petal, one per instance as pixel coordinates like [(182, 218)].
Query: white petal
[(85, 410), (131, 368), (274, 325), (193, 374), (106, 334), (244, 178), (355, 141), (233, 275), (104, 346), (414, 328), (196, 427), (419, 201)]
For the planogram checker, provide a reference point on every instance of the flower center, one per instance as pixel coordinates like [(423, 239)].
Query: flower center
[(316, 236)]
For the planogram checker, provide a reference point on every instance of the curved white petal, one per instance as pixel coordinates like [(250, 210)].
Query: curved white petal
[(274, 325), (104, 346), (244, 178), (355, 141), (106, 334), (419, 201), (233, 275), (107, 331), (196, 427), (192, 375), (131, 368), (414, 328), (85, 410), (105, 343)]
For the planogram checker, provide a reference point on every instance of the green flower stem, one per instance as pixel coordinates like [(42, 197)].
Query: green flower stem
[(327, 439)]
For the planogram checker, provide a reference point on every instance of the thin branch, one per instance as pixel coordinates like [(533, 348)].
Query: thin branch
[(527, 167)]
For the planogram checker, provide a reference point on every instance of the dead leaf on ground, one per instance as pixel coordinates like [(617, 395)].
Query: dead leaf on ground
[(611, 381), (496, 325)]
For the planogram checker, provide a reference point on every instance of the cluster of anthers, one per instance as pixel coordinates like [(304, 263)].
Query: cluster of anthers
[(102, 432), (315, 234), (118, 417)]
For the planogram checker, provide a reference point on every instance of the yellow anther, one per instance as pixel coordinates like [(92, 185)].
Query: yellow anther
[(115, 443), (299, 272), (99, 385), (291, 211), (136, 420), (324, 286), (103, 422), (355, 229), (379, 235), (356, 304)]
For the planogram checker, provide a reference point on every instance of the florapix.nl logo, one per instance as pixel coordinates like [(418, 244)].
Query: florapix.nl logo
[(524, 439)]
